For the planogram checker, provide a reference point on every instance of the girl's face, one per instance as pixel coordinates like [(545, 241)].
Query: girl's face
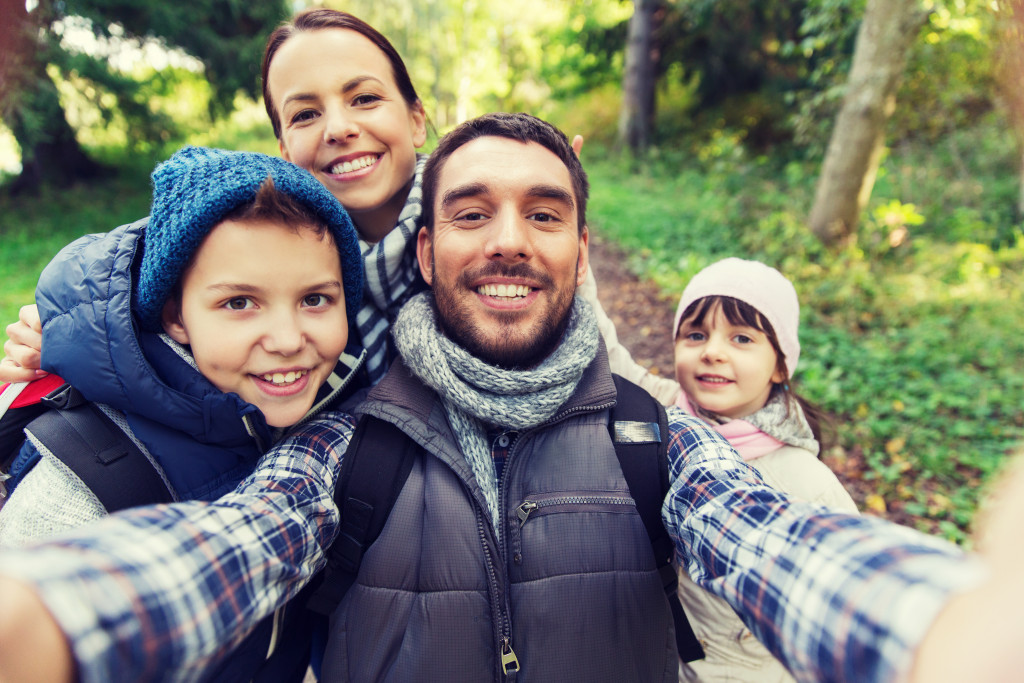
[(344, 119), (726, 369)]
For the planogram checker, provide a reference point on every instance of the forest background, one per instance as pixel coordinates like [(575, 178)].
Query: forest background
[(710, 127)]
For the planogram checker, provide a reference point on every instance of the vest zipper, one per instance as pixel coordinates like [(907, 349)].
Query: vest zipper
[(275, 631), (509, 660), (530, 506), (503, 625), (250, 428)]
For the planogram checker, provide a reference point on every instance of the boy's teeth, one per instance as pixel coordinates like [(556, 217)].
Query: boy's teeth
[(283, 377), (353, 165), (506, 291)]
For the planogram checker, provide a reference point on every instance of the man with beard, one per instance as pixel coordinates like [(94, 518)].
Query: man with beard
[(514, 550)]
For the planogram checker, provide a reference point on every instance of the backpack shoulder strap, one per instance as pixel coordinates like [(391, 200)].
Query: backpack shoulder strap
[(20, 403), (373, 473), (99, 452), (639, 428)]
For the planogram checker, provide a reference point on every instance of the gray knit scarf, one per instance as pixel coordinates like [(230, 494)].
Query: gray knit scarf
[(780, 418), (476, 394), (391, 270)]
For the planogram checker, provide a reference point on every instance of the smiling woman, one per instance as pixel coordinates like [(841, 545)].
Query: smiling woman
[(346, 121)]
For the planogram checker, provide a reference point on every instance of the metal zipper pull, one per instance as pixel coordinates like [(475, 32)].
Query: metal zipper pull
[(524, 510), (509, 661)]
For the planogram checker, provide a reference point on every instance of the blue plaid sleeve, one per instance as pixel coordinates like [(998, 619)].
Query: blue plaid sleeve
[(161, 593), (835, 597)]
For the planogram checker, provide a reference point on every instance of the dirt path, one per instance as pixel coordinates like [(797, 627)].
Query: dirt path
[(641, 313)]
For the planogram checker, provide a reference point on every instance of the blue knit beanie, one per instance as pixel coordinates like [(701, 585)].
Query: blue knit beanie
[(196, 188)]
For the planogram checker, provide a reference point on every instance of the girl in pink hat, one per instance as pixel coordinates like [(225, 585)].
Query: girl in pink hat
[(736, 348)]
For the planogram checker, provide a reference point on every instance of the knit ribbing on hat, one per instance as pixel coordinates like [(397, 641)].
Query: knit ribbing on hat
[(196, 188)]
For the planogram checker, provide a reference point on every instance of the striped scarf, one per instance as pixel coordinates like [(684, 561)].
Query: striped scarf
[(392, 276), (476, 394)]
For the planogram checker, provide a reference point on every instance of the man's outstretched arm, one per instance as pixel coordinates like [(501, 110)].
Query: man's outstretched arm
[(163, 592), (835, 597), (979, 634), (32, 646)]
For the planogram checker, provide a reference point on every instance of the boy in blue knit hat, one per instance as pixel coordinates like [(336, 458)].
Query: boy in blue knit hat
[(202, 333)]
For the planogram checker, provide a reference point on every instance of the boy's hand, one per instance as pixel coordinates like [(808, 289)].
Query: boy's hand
[(577, 145), (22, 348)]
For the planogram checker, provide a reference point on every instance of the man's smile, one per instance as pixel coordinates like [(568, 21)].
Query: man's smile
[(504, 291)]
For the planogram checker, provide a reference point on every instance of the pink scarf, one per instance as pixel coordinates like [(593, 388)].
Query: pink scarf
[(749, 441)]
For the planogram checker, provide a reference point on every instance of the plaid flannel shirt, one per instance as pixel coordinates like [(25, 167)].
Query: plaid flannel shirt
[(161, 593)]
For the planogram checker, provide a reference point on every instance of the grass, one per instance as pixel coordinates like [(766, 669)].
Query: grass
[(912, 337), (35, 228)]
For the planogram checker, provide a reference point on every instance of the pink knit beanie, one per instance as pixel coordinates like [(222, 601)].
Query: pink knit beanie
[(754, 283)]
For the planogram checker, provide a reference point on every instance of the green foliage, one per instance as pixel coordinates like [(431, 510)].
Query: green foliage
[(912, 336), (948, 82), (225, 35), (36, 228), (750, 60), (80, 45), (826, 41), (586, 50), (949, 79), (594, 115), (467, 58)]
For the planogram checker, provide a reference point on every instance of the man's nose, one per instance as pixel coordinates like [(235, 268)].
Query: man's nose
[(509, 237)]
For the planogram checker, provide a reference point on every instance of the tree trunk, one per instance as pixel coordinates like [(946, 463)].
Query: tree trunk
[(30, 106), (1009, 67), (851, 161), (636, 118), (1020, 187), (18, 47)]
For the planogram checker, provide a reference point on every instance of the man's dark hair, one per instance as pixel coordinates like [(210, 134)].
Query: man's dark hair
[(521, 127)]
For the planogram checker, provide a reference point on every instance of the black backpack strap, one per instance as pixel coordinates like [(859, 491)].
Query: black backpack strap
[(12, 425), (373, 472), (639, 428), (99, 452)]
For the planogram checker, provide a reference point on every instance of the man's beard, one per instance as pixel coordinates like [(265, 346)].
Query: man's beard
[(515, 346)]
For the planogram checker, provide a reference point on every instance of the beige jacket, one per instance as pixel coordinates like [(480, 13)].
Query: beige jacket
[(622, 363), (732, 653)]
